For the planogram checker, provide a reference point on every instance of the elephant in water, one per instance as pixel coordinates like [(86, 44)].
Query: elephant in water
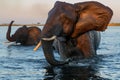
[(24, 35), (75, 28)]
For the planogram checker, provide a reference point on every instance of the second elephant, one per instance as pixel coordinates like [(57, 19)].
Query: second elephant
[(24, 35)]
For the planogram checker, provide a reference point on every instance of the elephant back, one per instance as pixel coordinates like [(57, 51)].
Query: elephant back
[(34, 35)]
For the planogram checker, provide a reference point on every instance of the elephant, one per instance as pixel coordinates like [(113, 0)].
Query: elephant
[(76, 28), (24, 35)]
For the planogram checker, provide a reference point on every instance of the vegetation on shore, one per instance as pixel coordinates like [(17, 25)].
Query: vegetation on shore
[(114, 24), (22, 24), (110, 24)]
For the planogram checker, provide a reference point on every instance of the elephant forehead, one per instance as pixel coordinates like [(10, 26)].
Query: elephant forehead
[(62, 7), (21, 31)]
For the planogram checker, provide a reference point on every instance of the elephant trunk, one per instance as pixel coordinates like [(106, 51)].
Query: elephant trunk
[(48, 52), (9, 31)]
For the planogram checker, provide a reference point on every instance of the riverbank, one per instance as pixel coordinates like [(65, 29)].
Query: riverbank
[(114, 24), (22, 24), (111, 24)]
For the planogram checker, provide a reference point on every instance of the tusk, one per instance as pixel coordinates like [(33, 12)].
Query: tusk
[(49, 39), (7, 42), (38, 45)]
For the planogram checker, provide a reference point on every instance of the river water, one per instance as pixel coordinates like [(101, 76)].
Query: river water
[(22, 63)]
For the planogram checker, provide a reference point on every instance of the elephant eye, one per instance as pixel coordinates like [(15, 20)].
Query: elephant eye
[(66, 22), (62, 19)]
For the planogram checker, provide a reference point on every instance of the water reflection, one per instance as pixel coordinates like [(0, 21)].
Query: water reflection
[(69, 72)]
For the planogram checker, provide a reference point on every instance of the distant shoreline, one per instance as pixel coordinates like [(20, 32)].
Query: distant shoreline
[(22, 24), (110, 24), (114, 24)]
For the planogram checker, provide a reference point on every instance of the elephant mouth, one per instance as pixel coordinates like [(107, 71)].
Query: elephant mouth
[(47, 45)]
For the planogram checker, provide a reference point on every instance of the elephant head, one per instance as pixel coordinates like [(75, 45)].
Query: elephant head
[(70, 21), (24, 35), (20, 36)]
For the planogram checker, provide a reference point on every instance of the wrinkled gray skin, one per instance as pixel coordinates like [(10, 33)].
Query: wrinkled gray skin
[(71, 23), (24, 35), (88, 43)]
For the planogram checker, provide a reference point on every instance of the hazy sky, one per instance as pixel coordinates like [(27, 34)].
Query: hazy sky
[(34, 11)]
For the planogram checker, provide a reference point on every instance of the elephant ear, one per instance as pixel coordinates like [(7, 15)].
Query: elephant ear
[(103, 20), (92, 15), (67, 16)]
